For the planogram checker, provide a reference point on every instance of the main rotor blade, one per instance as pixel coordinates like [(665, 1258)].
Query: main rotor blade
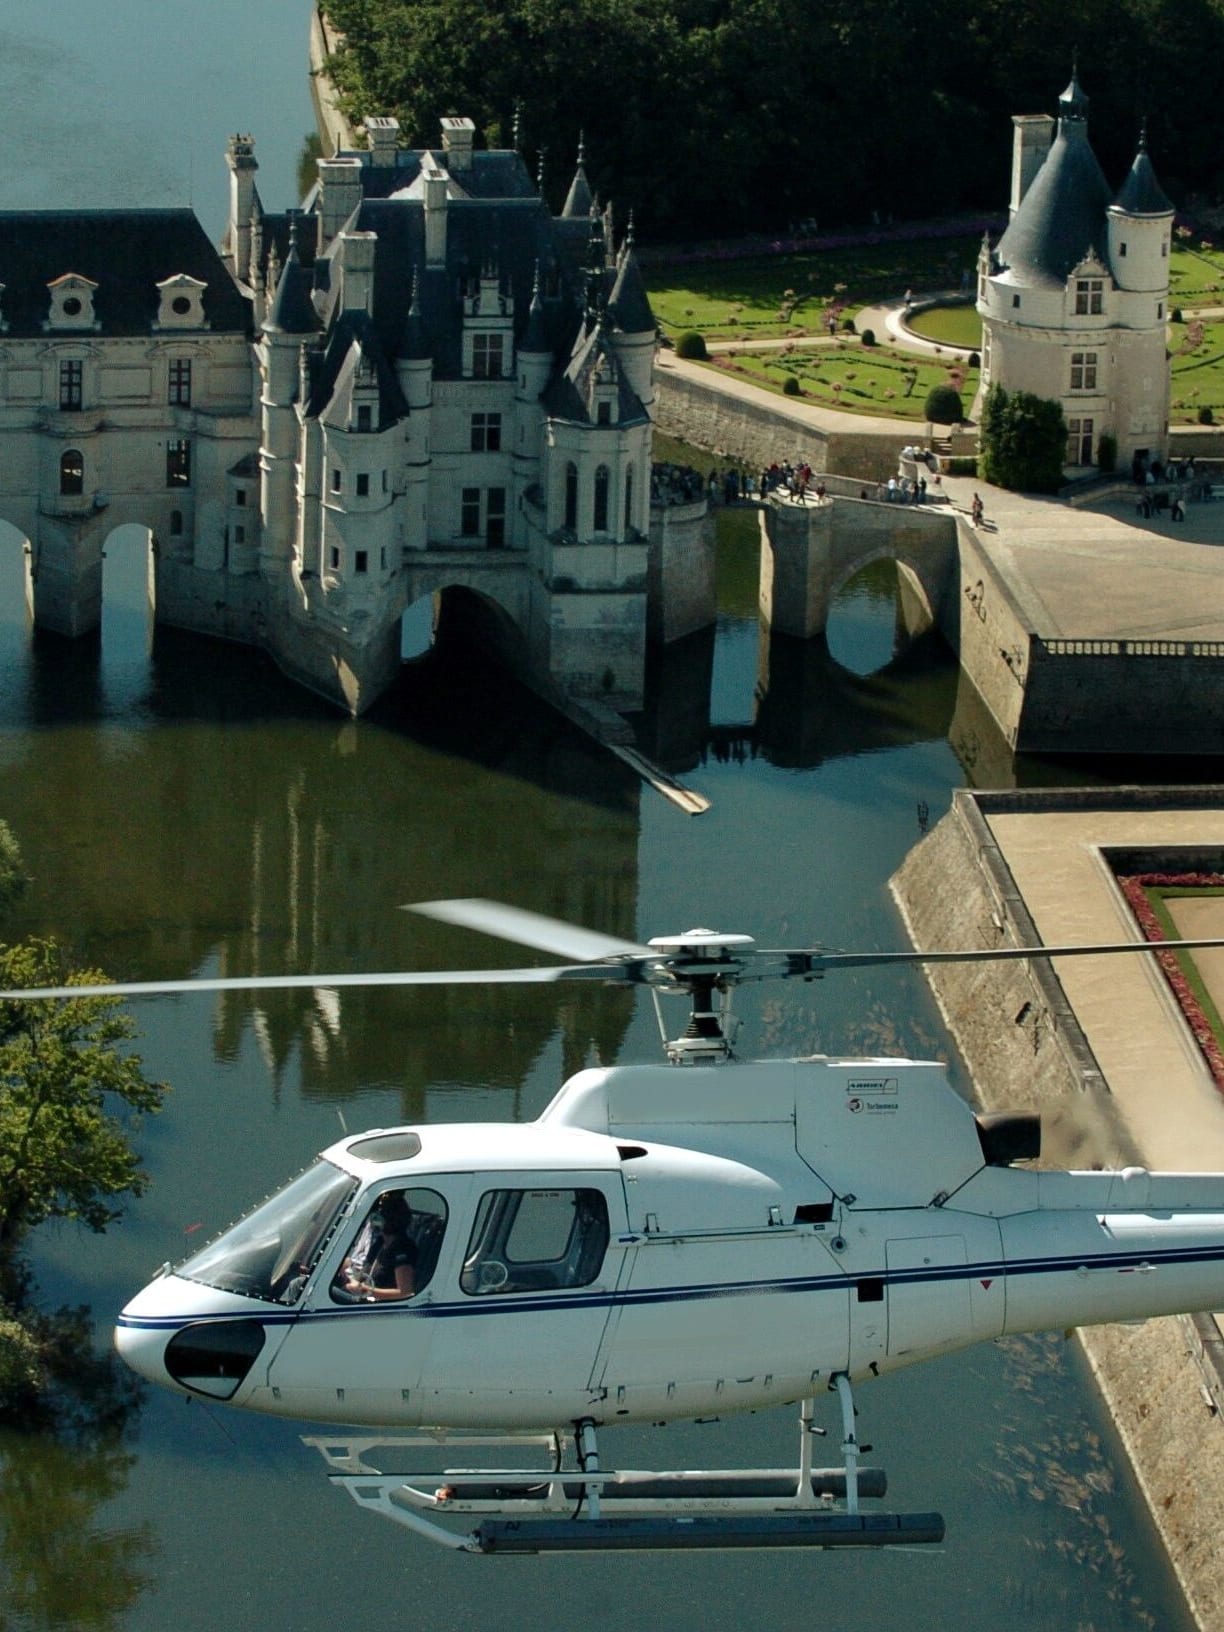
[(277, 983), (553, 935), (818, 962)]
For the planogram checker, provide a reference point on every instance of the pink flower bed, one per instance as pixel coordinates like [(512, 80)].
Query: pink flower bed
[(1134, 887)]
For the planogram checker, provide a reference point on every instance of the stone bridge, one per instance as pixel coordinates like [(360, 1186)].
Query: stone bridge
[(809, 550)]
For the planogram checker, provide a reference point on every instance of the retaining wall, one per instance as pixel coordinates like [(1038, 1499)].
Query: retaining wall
[(1023, 1048)]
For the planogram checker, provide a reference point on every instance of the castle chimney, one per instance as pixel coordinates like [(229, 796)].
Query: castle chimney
[(1030, 143), (357, 260), (435, 210), (339, 195), (240, 156), (457, 138), (383, 136)]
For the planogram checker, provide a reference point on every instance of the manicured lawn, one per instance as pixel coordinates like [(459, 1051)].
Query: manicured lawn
[(1198, 371), (857, 378), (773, 295), (954, 325), (1196, 275)]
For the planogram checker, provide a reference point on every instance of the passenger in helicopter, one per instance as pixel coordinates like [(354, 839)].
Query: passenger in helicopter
[(382, 1265)]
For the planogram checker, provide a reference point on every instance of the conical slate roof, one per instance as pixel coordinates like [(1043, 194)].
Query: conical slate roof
[(1141, 193), (579, 199), (292, 311), (1062, 216), (629, 304)]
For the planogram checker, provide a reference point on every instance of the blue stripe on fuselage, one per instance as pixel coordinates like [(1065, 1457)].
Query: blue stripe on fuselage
[(564, 1302)]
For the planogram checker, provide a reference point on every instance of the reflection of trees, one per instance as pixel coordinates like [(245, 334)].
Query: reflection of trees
[(255, 832), (58, 1569)]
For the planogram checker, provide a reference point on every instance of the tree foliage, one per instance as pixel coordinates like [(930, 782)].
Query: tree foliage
[(1023, 441), (711, 117), (63, 1074)]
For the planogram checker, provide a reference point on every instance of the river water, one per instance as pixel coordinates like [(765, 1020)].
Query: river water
[(182, 809)]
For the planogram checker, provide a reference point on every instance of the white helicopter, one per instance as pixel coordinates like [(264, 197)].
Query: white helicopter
[(659, 1244)]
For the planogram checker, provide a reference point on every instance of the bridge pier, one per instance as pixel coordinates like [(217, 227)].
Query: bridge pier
[(64, 578), (796, 552)]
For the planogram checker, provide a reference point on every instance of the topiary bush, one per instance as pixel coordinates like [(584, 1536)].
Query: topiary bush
[(790, 386), (868, 337), (1175, 316), (943, 405), (691, 344), (1205, 415)]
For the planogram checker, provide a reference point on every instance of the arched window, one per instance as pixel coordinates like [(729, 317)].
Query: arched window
[(629, 498), (601, 499), (571, 496), (72, 473)]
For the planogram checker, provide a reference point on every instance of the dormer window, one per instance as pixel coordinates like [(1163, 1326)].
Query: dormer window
[(488, 356), (181, 303), (1089, 297), (365, 416), (72, 298), (603, 414)]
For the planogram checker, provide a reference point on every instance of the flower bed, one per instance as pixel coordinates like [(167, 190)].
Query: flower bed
[(1145, 894)]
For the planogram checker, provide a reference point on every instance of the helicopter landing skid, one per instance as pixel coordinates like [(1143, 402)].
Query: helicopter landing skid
[(585, 1508)]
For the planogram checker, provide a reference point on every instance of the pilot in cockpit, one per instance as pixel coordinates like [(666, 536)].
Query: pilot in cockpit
[(382, 1264)]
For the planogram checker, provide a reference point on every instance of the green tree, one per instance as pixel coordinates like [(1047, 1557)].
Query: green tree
[(63, 1074), (1023, 441)]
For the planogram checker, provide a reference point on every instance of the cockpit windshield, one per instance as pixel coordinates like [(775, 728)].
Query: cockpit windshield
[(270, 1253)]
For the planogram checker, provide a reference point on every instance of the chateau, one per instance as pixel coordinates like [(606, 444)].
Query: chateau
[(423, 380), (1074, 297)]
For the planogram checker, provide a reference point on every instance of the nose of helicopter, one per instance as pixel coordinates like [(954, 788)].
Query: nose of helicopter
[(190, 1338)]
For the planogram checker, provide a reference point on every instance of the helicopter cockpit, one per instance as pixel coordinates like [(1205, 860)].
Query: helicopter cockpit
[(271, 1253)]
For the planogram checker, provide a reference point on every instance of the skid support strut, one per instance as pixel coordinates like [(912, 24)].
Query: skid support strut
[(577, 1505)]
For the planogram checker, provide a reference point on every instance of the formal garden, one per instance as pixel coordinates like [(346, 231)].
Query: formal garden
[(808, 302)]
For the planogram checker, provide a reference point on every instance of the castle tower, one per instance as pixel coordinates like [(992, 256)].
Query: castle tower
[(1073, 298), (240, 156)]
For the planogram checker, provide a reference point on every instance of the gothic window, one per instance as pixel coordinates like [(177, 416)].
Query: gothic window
[(72, 473), (469, 513), (486, 433), (487, 352), (178, 464), (601, 499), (629, 498), (71, 385), (571, 496), (1089, 295), (495, 517), (180, 382), (1083, 370)]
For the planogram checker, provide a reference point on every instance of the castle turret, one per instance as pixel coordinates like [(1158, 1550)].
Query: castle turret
[(634, 328), (578, 201), (1140, 229), (289, 327)]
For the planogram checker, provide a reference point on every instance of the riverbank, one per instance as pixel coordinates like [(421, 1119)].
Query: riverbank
[(1104, 1054)]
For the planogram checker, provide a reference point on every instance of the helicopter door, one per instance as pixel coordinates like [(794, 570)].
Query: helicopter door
[(358, 1351), (542, 1256)]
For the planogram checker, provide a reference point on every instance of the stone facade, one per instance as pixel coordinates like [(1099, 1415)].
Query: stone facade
[(421, 381), (1074, 297)]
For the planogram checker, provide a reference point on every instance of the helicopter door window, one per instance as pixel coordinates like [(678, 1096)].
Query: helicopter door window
[(395, 1252), (535, 1241)]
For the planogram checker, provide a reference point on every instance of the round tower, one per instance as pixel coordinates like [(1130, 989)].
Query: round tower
[(1140, 229)]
